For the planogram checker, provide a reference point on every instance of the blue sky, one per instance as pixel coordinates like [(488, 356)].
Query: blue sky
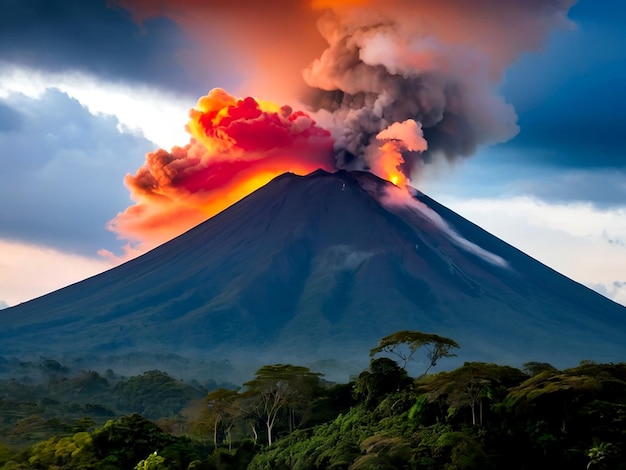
[(86, 91)]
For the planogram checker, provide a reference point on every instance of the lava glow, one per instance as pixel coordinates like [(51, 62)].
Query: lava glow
[(236, 146), (388, 162)]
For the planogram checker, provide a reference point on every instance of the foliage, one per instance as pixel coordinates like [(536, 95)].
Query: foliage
[(219, 413), (535, 368), (398, 343), (6, 453), (276, 388), (382, 377), (479, 415), (155, 394), (129, 442), (469, 387), (227, 459), (32, 410), (429, 426), (153, 462), (65, 452)]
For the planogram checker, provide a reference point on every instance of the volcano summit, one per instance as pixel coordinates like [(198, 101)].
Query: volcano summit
[(320, 267)]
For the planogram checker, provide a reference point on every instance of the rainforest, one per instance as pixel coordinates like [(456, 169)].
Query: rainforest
[(391, 415)]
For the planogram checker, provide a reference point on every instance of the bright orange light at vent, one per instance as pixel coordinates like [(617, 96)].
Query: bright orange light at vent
[(387, 163), (236, 146)]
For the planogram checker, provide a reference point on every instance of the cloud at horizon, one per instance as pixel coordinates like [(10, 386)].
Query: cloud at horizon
[(587, 243), (28, 270)]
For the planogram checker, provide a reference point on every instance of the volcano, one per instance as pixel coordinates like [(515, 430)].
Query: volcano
[(315, 270)]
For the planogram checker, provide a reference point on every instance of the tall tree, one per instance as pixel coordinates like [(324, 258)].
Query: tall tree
[(221, 410), (278, 387), (404, 344), (470, 385)]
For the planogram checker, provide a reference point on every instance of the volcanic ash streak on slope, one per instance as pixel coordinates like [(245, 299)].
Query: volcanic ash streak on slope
[(236, 146), (394, 198)]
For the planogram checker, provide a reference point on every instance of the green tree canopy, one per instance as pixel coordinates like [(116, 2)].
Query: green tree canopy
[(404, 344), (470, 385), (535, 368), (383, 376), (221, 410), (277, 387)]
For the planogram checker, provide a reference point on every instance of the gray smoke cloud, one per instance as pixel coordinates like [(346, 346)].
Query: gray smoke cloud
[(432, 66), (438, 64)]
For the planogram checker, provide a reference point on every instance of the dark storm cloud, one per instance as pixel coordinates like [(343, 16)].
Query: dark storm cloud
[(93, 37), (62, 173), (505, 172), (582, 123), (571, 97), (611, 14), (604, 188)]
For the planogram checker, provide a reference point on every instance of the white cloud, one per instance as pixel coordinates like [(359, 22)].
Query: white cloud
[(580, 241), (155, 114), (615, 290), (28, 271)]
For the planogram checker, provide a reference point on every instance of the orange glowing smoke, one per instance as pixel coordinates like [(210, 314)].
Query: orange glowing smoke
[(387, 159), (389, 163), (236, 146)]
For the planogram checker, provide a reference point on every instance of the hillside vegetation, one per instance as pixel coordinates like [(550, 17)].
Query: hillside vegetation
[(478, 416)]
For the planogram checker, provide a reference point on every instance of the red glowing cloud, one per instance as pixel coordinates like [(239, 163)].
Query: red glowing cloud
[(236, 146)]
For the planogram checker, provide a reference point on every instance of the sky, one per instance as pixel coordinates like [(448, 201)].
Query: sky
[(95, 99)]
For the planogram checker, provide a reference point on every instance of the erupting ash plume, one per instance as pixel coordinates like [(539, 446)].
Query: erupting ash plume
[(397, 83), (434, 64)]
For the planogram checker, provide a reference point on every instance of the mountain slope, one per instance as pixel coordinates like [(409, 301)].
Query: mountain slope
[(320, 267)]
